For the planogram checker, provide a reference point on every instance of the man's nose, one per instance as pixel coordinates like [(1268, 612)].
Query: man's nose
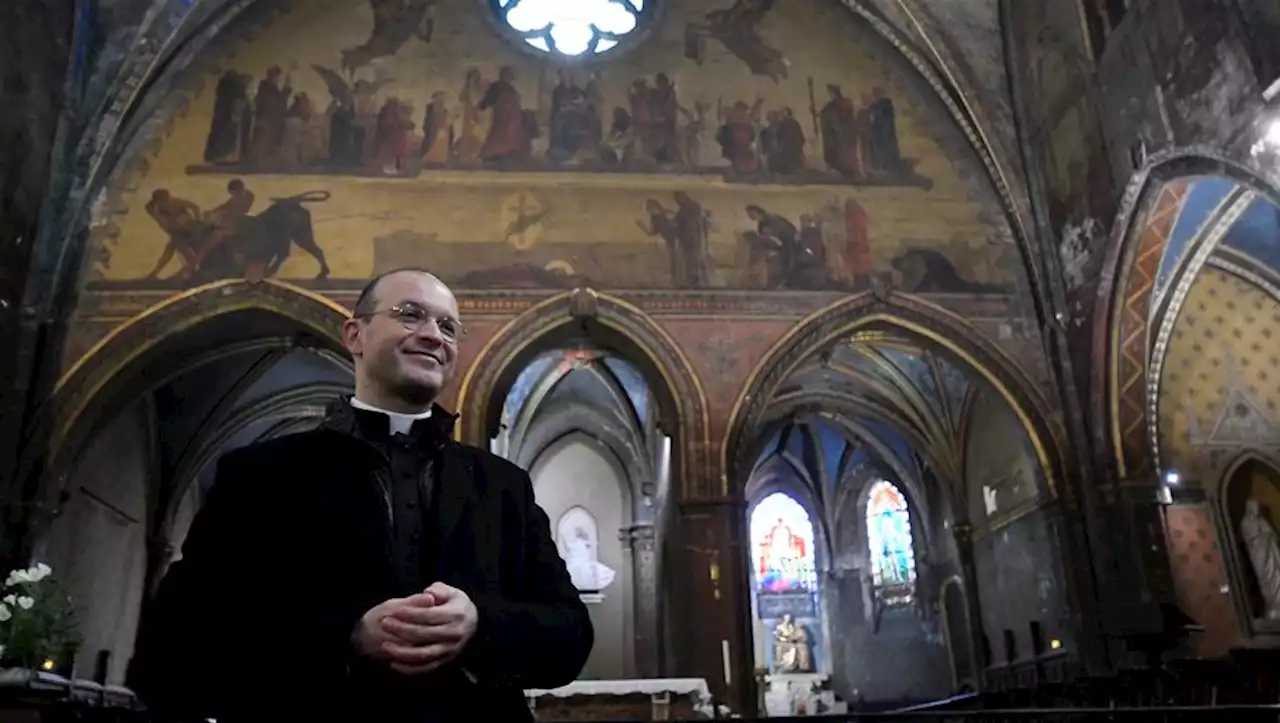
[(429, 330)]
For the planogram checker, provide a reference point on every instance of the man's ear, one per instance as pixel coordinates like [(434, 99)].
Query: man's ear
[(351, 339)]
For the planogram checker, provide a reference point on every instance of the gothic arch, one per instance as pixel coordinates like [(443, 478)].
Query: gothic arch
[(85, 391), (612, 321), (1121, 324), (917, 318), (567, 421)]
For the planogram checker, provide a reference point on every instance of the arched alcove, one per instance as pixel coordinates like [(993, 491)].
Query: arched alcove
[(138, 425), (585, 492), (929, 418), (1188, 327), (574, 396)]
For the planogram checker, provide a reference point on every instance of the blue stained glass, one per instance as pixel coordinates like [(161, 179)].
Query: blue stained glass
[(893, 560), (782, 546)]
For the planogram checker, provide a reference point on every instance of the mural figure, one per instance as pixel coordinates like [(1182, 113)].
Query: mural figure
[(685, 232), (232, 123), (437, 132), (792, 652), (790, 257), (929, 271), (270, 106), (227, 242), (394, 23), (738, 29), (575, 118), (513, 128), (1261, 543)]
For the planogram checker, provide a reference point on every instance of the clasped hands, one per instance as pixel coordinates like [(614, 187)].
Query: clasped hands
[(418, 634)]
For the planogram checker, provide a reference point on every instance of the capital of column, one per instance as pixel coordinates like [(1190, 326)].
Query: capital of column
[(639, 537)]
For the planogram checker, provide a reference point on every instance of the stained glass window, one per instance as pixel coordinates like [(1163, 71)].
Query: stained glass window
[(893, 559), (782, 545), (571, 27)]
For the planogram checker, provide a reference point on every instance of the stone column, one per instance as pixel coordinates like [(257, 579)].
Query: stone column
[(710, 599), (641, 541), (969, 583)]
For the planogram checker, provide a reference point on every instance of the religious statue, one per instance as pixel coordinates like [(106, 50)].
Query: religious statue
[(791, 650), (583, 562), (1264, 555)]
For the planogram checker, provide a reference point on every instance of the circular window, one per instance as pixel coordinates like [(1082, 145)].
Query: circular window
[(571, 27)]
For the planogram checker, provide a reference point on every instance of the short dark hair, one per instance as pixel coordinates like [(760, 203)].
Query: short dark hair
[(367, 302)]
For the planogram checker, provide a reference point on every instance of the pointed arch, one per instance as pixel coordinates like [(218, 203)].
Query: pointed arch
[(917, 318), (1122, 406), (614, 323), (112, 368)]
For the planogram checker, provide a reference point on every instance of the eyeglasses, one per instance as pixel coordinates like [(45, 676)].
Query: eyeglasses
[(414, 317)]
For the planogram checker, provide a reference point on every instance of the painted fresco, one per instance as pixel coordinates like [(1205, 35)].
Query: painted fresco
[(733, 146)]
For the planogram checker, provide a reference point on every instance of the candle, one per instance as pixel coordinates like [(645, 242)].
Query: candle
[(724, 650)]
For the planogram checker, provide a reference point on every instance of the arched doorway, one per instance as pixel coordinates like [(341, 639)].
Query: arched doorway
[(584, 371), (138, 426), (924, 461)]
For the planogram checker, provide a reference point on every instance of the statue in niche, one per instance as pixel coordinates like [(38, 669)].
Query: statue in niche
[(1264, 555), (791, 650), (581, 553)]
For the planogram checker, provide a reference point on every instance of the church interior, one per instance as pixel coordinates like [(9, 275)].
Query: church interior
[(863, 354)]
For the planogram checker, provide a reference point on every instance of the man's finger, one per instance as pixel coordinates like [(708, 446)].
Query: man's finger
[(414, 655), (421, 615), (418, 634), (442, 592)]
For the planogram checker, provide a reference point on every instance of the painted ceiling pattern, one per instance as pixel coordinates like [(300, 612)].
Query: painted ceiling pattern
[(1220, 388), (1250, 238)]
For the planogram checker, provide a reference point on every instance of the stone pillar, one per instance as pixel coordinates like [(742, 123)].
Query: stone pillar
[(969, 583), (710, 603), (33, 71), (641, 541)]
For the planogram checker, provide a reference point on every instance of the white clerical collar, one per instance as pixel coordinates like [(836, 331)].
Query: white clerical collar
[(400, 422)]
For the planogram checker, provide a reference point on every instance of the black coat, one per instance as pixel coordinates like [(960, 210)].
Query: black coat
[(292, 547)]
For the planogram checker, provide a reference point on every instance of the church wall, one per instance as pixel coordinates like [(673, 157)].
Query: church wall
[(1219, 405), (903, 655), (1219, 395), (579, 472), (97, 543), (1016, 547)]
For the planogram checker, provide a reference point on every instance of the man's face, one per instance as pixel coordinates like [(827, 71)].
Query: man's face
[(406, 350)]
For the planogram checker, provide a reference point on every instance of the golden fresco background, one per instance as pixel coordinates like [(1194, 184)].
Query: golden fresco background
[(733, 147)]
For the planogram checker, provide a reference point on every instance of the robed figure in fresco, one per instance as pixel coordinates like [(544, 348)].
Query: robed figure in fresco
[(232, 123), (270, 109), (685, 233), (512, 132), (840, 138), (574, 123)]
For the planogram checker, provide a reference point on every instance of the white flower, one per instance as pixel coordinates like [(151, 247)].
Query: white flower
[(39, 571), (10, 599), (5, 613), (17, 577), (25, 602)]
